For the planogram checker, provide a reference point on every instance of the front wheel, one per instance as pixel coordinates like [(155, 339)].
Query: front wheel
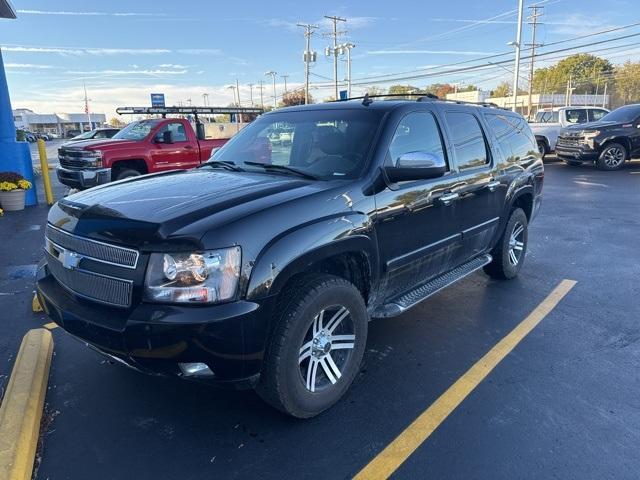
[(508, 254), (542, 148), (612, 157), (126, 173), (316, 348), (573, 163)]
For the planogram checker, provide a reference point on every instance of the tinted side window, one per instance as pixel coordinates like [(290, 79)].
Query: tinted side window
[(595, 114), (417, 132), (179, 133), (514, 136), (467, 140), (576, 116)]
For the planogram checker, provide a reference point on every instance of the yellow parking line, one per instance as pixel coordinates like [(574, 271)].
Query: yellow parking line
[(395, 454), (50, 326)]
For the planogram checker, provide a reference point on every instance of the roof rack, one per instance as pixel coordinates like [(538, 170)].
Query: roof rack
[(421, 97), (164, 111)]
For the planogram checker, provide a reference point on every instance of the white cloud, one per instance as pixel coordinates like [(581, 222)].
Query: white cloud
[(90, 14), (432, 52), (127, 72), (32, 66), (85, 51), (170, 65), (576, 24)]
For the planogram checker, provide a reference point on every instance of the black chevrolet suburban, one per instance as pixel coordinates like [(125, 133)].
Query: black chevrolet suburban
[(262, 267), (609, 142)]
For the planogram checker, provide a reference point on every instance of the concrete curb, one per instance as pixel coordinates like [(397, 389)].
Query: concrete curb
[(21, 409)]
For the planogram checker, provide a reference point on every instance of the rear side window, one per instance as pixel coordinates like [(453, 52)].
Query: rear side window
[(417, 132), (546, 117), (514, 136), (596, 114), (576, 116), (467, 140)]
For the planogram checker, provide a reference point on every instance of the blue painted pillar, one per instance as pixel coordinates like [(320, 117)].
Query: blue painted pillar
[(14, 156)]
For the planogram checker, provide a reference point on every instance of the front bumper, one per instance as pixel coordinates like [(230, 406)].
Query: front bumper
[(579, 153), (83, 178), (154, 338)]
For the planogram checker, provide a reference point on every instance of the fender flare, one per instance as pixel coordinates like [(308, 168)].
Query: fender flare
[(293, 252)]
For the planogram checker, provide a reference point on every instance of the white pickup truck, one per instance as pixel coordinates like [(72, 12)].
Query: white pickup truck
[(548, 123)]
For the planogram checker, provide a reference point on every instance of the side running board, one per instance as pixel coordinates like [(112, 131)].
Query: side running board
[(412, 298)]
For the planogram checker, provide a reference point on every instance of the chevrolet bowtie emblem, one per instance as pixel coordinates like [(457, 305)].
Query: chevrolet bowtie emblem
[(70, 260)]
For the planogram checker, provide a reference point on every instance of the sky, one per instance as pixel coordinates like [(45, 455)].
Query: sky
[(124, 50)]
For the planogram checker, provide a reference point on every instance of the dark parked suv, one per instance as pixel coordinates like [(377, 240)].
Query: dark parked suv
[(609, 142), (263, 266)]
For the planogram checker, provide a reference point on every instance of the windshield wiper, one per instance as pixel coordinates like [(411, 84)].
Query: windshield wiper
[(283, 168), (223, 164)]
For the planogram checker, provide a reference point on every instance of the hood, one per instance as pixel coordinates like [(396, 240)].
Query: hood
[(98, 144), (591, 126), (153, 207)]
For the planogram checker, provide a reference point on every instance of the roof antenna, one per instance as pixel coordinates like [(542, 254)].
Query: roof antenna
[(366, 101)]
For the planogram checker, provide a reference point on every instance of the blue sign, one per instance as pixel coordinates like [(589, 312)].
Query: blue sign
[(157, 100), (343, 94)]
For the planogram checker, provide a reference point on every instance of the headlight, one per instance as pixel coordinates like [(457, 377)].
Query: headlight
[(92, 158), (588, 134), (202, 277)]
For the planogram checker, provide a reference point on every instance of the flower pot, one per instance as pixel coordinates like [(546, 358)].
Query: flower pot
[(12, 200)]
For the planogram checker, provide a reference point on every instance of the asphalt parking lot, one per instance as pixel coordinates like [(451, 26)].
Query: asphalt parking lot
[(563, 404)]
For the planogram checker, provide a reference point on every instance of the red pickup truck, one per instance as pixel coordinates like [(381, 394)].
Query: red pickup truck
[(145, 146)]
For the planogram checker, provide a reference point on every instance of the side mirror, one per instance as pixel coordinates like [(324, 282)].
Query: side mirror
[(416, 166)]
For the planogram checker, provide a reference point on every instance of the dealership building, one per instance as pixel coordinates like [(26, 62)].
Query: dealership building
[(58, 123)]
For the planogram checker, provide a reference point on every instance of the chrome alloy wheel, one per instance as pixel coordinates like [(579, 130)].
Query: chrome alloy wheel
[(613, 157), (516, 243), (326, 349)]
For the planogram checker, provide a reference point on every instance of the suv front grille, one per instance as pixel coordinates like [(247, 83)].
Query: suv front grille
[(66, 255), (91, 285), (99, 251), (569, 141)]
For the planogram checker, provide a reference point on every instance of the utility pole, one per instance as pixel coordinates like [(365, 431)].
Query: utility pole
[(604, 97), (238, 90), (261, 87), (273, 79), (285, 82), (251, 93), (205, 102), (334, 51), (348, 46), (86, 105), (517, 44), (533, 21), (309, 57)]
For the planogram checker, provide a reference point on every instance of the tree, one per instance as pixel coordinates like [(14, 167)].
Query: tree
[(582, 69), (116, 122), (439, 89), (627, 77), (295, 97), (375, 90), (403, 89), (502, 90)]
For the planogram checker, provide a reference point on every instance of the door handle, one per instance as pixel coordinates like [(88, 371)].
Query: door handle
[(493, 185), (188, 147), (448, 198)]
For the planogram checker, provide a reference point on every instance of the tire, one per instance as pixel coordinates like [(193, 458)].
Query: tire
[(612, 157), (542, 148), (126, 173), (294, 352), (573, 163), (509, 253)]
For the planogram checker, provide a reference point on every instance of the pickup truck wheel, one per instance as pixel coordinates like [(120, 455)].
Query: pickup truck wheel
[(126, 173), (316, 348), (573, 163), (508, 254), (612, 157), (542, 148)]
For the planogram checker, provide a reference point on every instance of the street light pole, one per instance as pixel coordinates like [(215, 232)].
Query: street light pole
[(348, 47), (285, 82), (273, 79), (516, 68), (251, 93)]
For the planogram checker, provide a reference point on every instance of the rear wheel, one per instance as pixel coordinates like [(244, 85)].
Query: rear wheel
[(612, 157), (316, 348), (508, 254)]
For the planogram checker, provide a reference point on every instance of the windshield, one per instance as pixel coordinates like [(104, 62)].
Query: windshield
[(323, 143), (85, 135), (137, 130), (546, 117), (623, 114)]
